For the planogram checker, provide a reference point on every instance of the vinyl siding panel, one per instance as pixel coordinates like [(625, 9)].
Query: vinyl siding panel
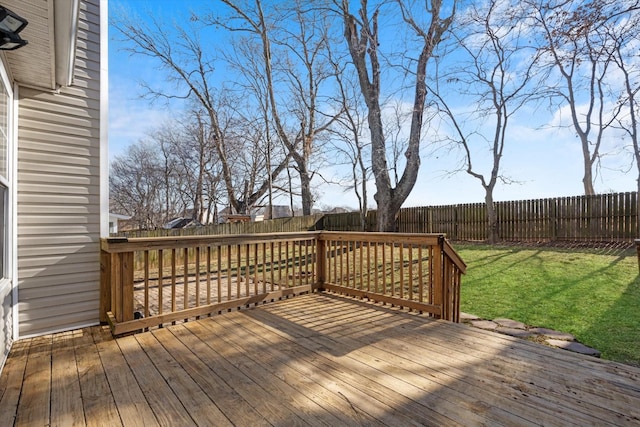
[(59, 194)]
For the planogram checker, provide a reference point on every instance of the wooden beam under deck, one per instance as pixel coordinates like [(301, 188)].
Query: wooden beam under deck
[(316, 359)]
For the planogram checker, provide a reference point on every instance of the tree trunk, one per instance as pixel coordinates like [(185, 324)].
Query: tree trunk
[(492, 218), (363, 44), (587, 179)]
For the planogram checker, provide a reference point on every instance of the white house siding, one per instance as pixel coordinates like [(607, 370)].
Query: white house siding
[(59, 194)]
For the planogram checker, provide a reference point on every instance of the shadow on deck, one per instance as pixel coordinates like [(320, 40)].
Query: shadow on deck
[(316, 359)]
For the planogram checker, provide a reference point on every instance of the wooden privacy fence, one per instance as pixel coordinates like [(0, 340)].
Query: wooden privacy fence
[(278, 225), (148, 282), (604, 217)]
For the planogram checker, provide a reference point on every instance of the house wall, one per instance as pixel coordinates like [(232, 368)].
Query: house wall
[(58, 199)]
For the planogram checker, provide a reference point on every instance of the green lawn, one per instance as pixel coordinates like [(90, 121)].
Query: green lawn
[(593, 294)]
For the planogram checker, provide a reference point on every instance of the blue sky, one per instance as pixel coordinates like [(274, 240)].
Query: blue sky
[(546, 163)]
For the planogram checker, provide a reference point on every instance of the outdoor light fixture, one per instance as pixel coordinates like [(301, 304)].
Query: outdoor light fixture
[(10, 25)]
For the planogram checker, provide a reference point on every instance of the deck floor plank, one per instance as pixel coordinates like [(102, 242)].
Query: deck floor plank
[(429, 401), (289, 366), (273, 412), (270, 378), (97, 398), (333, 366), (441, 365), (12, 383), (382, 349), (130, 402), (35, 399), (167, 408), (196, 402), (198, 361), (66, 396), (319, 359)]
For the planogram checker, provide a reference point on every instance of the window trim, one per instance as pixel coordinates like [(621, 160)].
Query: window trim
[(10, 251)]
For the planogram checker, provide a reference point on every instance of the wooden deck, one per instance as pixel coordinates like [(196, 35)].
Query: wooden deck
[(317, 359)]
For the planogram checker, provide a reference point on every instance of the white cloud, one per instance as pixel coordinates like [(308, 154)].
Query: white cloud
[(131, 118)]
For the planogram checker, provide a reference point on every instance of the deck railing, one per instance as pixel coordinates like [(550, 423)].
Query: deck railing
[(148, 282)]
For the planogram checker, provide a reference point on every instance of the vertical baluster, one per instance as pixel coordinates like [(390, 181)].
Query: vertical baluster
[(208, 274), (280, 264), (348, 264), (255, 269), (264, 268), (238, 272), (375, 260), (361, 253), (314, 261), (197, 250), (287, 272), (185, 285), (341, 274), (401, 268), (410, 272), (146, 283), (392, 261), (160, 279), (228, 273), (219, 273), (384, 268), (247, 269), (369, 266), (299, 274), (431, 274), (173, 280), (420, 276), (307, 273), (271, 265)]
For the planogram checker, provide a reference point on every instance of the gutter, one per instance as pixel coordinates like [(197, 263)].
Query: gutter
[(66, 17)]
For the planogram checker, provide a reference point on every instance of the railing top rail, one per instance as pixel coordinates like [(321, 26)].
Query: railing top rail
[(378, 237), (123, 244), (454, 256)]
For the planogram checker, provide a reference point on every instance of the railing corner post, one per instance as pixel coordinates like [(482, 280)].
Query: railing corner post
[(105, 286), (121, 273)]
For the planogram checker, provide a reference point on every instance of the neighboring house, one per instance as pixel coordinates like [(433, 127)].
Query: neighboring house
[(277, 211), (181, 222), (53, 171), (114, 221)]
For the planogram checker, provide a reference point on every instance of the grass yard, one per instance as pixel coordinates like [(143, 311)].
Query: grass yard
[(593, 294)]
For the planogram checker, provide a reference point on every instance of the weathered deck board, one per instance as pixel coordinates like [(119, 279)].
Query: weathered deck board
[(320, 360), (66, 397)]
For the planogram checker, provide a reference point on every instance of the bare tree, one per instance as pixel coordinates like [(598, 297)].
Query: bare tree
[(621, 32), (181, 55), (362, 36), (135, 185), (577, 56), (349, 140), (493, 74), (301, 35)]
